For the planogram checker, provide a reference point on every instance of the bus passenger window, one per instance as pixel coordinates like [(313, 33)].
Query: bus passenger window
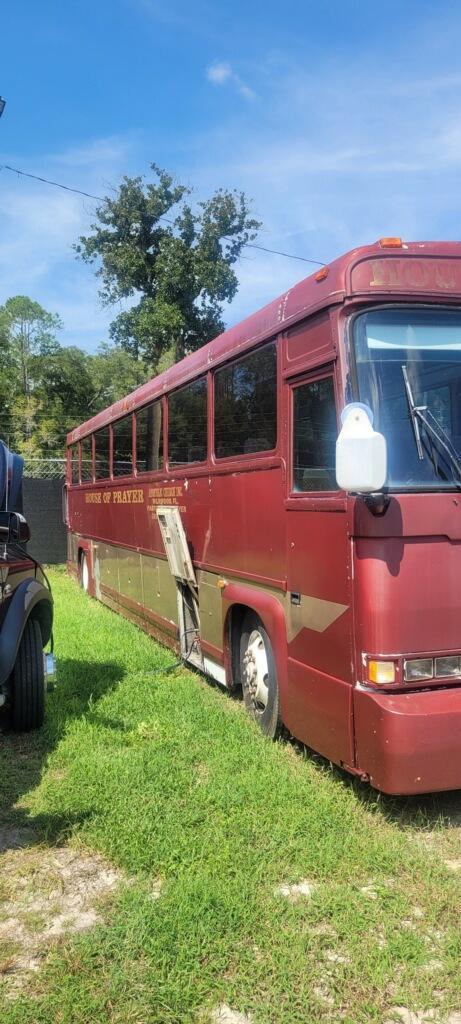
[(314, 436), (101, 454), (122, 447), (74, 464), (187, 424), (149, 438), (245, 419), (86, 459)]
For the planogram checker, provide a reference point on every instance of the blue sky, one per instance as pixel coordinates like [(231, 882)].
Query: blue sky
[(342, 122)]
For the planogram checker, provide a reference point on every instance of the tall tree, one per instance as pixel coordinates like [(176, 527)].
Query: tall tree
[(30, 331), (172, 261), (114, 373), (45, 388), (7, 381), (27, 332)]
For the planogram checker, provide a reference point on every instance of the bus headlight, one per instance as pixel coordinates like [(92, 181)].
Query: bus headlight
[(448, 666), (418, 668)]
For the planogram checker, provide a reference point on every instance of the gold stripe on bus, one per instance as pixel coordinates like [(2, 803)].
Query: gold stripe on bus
[(147, 579), (313, 613)]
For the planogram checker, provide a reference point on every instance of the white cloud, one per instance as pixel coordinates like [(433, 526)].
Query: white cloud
[(221, 73)]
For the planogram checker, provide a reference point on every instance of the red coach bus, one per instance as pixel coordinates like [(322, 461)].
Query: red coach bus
[(205, 507)]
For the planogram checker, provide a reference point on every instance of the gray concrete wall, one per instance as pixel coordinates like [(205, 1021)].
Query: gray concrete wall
[(42, 504)]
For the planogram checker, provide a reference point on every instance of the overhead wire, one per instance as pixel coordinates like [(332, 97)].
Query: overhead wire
[(101, 199), (40, 416)]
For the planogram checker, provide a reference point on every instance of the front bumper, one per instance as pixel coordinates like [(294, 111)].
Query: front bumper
[(409, 742)]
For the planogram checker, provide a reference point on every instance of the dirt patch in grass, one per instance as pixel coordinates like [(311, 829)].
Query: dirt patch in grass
[(402, 1015), (295, 891), (225, 1015), (45, 895)]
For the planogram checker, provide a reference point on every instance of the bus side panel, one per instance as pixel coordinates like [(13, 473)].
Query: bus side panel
[(129, 574), (211, 614), (141, 583), (159, 588), (246, 531), (319, 712), (108, 566), (319, 615)]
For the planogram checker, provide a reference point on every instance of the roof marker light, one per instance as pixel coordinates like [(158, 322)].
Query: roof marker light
[(390, 243), (321, 274)]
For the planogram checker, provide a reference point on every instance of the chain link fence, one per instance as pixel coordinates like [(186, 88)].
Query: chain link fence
[(44, 469)]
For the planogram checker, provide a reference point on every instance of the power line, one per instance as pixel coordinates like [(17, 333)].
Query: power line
[(288, 255), (46, 181), (100, 199)]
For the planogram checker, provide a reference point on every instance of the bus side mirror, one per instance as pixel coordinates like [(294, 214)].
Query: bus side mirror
[(361, 453)]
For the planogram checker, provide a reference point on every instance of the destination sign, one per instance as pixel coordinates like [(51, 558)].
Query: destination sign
[(407, 274)]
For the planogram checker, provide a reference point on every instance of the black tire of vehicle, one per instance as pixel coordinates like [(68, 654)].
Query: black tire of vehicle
[(269, 720), (28, 682)]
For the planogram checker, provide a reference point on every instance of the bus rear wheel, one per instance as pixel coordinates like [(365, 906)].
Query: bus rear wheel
[(259, 677), (28, 689), (84, 573)]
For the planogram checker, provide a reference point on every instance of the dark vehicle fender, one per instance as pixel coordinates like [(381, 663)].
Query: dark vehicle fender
[(30, 600), (238, 598)]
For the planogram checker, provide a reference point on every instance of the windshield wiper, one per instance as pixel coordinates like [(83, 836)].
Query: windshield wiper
[(421, 414)]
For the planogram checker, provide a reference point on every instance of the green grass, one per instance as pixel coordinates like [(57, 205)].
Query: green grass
[(166, 777)]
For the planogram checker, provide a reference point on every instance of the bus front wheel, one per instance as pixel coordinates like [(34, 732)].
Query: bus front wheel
[(259, 677)]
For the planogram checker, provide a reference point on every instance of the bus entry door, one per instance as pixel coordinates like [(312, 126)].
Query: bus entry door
[(319, 619)]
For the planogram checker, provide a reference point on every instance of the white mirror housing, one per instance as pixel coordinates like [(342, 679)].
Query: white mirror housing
[(361, 453)]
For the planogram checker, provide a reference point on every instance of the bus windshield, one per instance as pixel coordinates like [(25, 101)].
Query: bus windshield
[(409, 358)]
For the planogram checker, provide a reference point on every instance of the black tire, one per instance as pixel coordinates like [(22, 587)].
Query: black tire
[(28, 682), (268, 716)]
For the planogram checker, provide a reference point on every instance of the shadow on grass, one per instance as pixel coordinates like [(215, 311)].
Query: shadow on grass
[(423, 812), (23, 756)]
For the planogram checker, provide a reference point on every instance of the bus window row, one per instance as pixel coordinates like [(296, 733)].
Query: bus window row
[(245, 423), (245, 405)]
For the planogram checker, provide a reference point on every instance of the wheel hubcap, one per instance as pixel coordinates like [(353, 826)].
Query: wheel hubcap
[(256, 670)]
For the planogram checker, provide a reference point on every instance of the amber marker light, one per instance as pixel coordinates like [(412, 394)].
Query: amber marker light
[(390, 243), (381, 673), (321, 274)]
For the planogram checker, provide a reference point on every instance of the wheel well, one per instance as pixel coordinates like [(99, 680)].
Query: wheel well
[(42, 614), (235, 622), (82, 553)]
